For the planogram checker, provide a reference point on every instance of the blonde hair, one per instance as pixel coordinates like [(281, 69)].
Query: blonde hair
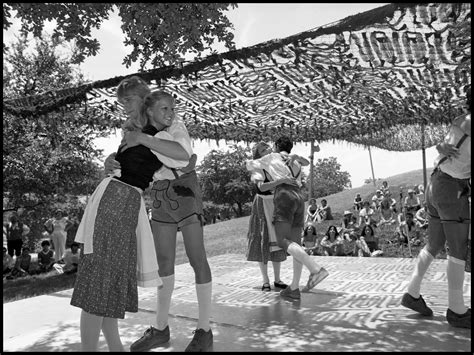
[(133, 85), (149, 101)]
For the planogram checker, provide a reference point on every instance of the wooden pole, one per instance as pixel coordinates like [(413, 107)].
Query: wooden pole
[(423, 154), (311, 165), (372, 167)]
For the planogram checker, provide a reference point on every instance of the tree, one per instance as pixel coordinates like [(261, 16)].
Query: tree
[(328, 177), (224, 178), (160, 33), (46, 160)]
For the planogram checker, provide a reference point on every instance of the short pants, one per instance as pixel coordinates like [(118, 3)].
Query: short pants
[(447, 198), (289, 205), (177, 201)]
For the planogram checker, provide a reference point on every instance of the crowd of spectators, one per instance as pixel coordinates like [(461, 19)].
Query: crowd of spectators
[(403, 223), (51, 256)]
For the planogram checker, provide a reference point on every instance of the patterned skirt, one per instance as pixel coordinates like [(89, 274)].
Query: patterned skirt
[(258, 239), (106, 283)]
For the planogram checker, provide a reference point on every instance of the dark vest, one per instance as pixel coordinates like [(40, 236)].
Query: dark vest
[(15, 233)]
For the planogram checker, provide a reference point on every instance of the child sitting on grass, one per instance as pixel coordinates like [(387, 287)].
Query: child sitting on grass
[(22, 264), (45, 257)]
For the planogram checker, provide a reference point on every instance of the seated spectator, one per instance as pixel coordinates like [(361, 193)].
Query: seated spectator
[(349, 225), (420, 192), (310, 238), (411, 202), (357, 202), (366, 215), (371, 240), (45, 257), (311, 212), (407, 229), (376, 199), (384, 188), (392, 201), (421, 217), (324, 211), (7, 262), (361, 248), (332, 244), (22, 264), (71, 259), (387, 219)]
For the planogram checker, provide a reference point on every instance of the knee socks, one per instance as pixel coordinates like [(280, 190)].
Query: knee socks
[(297, 268), (423, 262), (297, 252), (163, 301), (455, 273), (204, 297)]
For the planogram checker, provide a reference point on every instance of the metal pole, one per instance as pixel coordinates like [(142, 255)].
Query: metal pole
[(311, 165), (423, 154), (372, 167)]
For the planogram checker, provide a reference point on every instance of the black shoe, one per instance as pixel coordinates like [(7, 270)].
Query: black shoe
[(416, 304), (202, 341), (266, 287), (459, 320), (151, 339), (280, 284)]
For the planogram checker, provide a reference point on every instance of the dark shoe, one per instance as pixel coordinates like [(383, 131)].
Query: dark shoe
[(416, 304), (151, 339), (266, 287), (459, 320), (202, 341), (289, 293), (316, 278), (280, 284)]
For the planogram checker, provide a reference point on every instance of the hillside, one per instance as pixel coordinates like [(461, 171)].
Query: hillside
[(231, 236)]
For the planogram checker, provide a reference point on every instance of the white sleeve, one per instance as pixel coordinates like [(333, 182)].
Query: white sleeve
[(169, 162), (257, 175)]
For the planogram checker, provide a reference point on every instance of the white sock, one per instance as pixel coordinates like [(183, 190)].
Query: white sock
[(423, 262), (455, 273), (297, 252), (164, 301), (264, 271), (204, 297), (297, 268)]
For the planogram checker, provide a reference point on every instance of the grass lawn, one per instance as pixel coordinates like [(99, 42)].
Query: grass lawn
[(230, 237)]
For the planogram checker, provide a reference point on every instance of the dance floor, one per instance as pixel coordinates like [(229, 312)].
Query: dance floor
[(357, 308)]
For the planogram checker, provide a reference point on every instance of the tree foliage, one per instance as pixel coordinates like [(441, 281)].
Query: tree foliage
[(159, 33), (45, 157), (328, 177), (224, 178)]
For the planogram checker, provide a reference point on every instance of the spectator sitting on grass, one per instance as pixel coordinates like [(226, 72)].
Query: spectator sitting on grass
[(366, 215), (349, 227), (332, 243), (376, 199), (70, 260), (411, 202), (22, 264), (384, 188), (372, 240), (311, 211), (324, 211), (7, 262), (45, 257), (408, 230), (309, 239), (357, 202), (421, 217)]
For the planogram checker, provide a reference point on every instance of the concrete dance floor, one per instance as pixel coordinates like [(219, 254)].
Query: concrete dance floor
[(357, 308)]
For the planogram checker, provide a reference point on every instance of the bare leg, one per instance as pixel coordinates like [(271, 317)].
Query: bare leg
[(276, 270), (264, 271), (111, 334), (90, 331)]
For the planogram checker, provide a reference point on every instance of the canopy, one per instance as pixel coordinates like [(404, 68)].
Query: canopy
[(375, 78)]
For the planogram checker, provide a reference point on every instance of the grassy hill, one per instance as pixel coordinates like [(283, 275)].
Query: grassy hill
[(231, 236)]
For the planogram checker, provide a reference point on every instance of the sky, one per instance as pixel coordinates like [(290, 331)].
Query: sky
[(255, 23)]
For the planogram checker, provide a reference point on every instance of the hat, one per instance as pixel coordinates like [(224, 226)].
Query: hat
[(410, 191), (346, 212), (379, 191)]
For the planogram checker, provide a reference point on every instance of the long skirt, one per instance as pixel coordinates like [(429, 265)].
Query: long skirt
[(258, 236), (106, 283)]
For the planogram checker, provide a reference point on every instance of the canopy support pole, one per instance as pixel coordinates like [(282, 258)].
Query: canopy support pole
[(423, 154), (372, 167), (311, 166)]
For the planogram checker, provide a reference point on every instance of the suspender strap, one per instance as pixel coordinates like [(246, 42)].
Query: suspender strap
[(173, 170)]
